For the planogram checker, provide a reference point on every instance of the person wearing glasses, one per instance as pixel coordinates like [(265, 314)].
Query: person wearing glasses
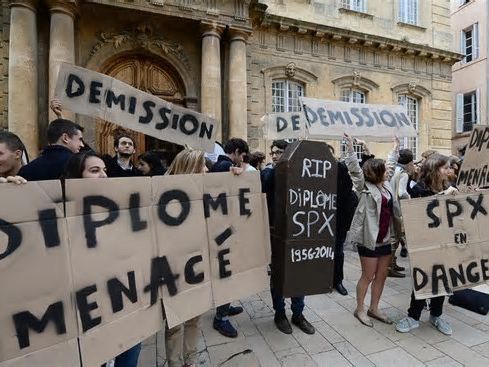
[(297, 303)]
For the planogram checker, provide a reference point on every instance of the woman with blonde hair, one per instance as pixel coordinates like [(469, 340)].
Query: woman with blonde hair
[(181, 341), (432, 180)]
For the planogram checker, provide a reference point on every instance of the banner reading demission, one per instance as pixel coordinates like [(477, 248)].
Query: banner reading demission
[(97, 95), (324, 119)]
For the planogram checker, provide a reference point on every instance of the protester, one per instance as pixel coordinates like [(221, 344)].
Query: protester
[(257, 160), (85, 165), (65, 139), (150, 164), (247, 167), (371, 227), (181, 341), (234, 151), (121, 164), (431, 182), (88, 164), (297, 303), (346, 202), (11, 152), (454, 164), (399, 185)]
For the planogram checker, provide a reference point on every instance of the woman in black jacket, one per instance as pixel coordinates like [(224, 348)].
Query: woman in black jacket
[(433, 176)]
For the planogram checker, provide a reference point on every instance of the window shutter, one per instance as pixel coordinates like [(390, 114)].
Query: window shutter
[(475, 40), (459, 120), (462, 44), (478, 105)]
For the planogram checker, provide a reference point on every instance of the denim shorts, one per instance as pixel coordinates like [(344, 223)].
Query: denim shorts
[(383, 250)]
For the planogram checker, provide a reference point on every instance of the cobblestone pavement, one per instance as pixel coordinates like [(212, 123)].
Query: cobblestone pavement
[(340, 340)]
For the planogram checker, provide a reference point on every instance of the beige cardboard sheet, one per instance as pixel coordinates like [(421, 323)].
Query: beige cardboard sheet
[(100, 268), (97, 95), (448, 242)]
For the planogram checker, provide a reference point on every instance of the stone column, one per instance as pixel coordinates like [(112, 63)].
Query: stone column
[(210, 90), (238, 103), (22, 74), (61, 44)]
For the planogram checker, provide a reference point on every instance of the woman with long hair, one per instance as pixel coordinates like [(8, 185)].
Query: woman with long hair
[(150, 164), (432, 180), (88, 164), (372, 227), (181, 341), (85, 165)]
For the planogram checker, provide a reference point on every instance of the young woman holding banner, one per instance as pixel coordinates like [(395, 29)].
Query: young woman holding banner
[(432, 181), (89, 165), (372, 227)]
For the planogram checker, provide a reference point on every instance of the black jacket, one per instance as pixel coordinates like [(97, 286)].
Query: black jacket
[(420, 190), (223, 164), (346, 202), (268, 187), (49, 166), (114, 170)]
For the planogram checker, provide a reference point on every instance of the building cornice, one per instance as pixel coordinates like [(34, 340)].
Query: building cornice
[(29, 4), (327, 33)]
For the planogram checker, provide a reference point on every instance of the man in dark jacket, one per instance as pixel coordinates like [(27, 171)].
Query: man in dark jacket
[(65, 139), (297, 303), (121, 164), (347, 202), (235, 149)]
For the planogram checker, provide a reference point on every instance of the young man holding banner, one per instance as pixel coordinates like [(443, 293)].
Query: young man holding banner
[(234, 151)]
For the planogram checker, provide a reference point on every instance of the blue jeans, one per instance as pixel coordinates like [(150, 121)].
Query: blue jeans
[(297, 303), (129, 358)]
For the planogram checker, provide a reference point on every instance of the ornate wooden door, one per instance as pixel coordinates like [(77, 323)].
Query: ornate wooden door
[(149, 75)]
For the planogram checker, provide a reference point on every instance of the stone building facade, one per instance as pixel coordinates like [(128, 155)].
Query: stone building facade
[(233, 59), (470, 84)]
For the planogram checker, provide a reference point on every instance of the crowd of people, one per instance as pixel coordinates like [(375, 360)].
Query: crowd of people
[(368, 214)]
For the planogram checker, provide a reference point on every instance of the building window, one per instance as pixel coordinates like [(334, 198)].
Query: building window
[(463, 2), (356, 5), (358, 148), (408, 11), (285, 96), (469, 43), (352, 95), (412, 107), (467, 111)]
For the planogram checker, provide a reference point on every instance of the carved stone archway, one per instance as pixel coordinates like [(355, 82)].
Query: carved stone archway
[(146, 59), (151, 75)]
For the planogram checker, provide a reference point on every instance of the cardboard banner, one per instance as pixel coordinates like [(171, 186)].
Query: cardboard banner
[(285, 125), (80, 288), (448, 241), (303, 236), (97, 95), (475, 167), (322, 119)]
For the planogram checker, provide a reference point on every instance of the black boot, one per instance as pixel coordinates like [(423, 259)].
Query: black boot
[(341, 289)]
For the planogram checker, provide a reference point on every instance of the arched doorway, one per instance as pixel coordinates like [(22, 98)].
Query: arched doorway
[(149, 74)]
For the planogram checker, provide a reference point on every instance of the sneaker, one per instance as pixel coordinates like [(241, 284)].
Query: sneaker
[(441, 325), (301, 322), (282, 323), (406, 325), (235, 310), (225, 328)]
